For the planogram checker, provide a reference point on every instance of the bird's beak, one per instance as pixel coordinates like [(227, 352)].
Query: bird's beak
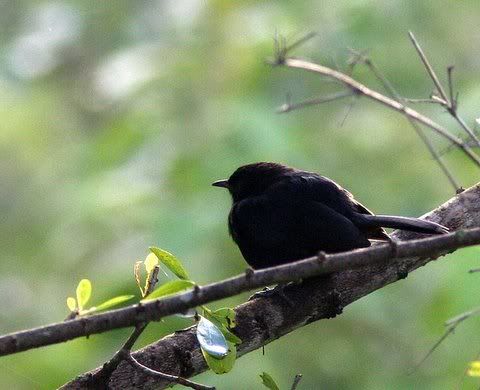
[(220, 183)]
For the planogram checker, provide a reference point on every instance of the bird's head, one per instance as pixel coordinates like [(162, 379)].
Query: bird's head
[(253, 179)]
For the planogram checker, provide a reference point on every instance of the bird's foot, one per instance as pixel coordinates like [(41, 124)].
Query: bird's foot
[(278, 290)]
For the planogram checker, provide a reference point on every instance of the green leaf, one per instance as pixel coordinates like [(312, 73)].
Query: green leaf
[(221, 366), (84, 291), (233, 338), (474, 369), (72, 303), (171, 262), (228, 314), (136, 272), (223, 318), (169, 288), (268, 381), (113, 302), (211, 338), (150, 262)]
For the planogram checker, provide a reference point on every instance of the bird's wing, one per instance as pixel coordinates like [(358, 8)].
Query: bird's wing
[(321, 189), (274, 231)]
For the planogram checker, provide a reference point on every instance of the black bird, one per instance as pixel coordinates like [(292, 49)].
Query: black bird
[(282, 214)]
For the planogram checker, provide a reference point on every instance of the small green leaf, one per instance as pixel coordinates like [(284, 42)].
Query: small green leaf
[(221, 366), (233, 338), (171, 262), (268, 381), (84, 291), (169, 288), (136, 272), (113, 302), (150, 262), (211, 338), (223, 318), (228, 314), (72, 303), (474, 369)]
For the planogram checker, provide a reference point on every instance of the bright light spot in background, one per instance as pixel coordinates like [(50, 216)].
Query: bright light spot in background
[(183, 12), (48, 30), (125, 71)]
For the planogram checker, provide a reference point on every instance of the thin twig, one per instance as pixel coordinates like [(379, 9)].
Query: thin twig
[(431, 101), (447, 333), (455, 321), (103, 375), (393, 93), (168, 377), (474, 270), (451, 325), (287, 107), (361, 89), (449, 103), (296, 381), (428, 67)]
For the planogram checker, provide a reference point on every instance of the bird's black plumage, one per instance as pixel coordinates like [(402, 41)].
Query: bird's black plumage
[(281, 214)]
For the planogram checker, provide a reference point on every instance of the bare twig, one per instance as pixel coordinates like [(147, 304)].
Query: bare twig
[(393, 93), (167, 377), (474, 270), (451, 325), (450, 103), (102, 376), (447, 333), (431, 101), (296, 381), (287, 107), (361, 89), (428, 67)]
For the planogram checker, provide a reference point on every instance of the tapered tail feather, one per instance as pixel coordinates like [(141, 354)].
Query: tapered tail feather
[(404, 223)]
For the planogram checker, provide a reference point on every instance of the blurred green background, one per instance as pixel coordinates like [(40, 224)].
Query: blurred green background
[(116, 116)]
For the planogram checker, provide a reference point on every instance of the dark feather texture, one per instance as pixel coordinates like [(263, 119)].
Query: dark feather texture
[(281, 214)]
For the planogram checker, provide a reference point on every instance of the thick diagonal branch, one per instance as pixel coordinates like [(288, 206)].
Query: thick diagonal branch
[(263, 320)]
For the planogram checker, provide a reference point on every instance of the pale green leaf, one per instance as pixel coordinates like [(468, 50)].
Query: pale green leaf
[(224, 365), (84, 291), (150, 262), (72, 303), (136, 272), (113, 302), (268, 381), (169, 288), (171, 262)]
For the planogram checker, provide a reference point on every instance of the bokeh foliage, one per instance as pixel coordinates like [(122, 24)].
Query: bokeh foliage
[(117, 115)]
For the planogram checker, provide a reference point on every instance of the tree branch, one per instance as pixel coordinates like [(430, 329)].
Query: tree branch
[(263, 320), (360, 89)]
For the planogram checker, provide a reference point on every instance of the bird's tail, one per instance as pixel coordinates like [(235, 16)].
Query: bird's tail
[(404, 223)]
